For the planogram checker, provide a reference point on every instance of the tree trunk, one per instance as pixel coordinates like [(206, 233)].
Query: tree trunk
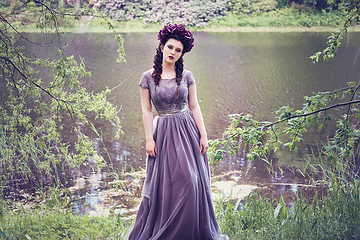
[(78, 3)]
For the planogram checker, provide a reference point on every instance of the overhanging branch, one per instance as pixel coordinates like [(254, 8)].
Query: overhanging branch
[(314, 112), (270, 125)]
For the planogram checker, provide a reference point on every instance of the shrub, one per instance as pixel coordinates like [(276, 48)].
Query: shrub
[(122, 10), (281, 18), (251, 6), (190, 13)]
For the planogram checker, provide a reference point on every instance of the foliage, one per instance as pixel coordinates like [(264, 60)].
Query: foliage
[(352, 9), (262, 138), (335, 215), (281, 18), (34, 111), (49, 224), (190, 13), (251, 7), (122, 10), (4, 4), (45, 215)]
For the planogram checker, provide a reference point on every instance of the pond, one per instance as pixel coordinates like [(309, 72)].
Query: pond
[(254, 73)]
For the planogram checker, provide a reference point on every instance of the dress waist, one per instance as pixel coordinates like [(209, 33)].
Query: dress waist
[(171, 112)]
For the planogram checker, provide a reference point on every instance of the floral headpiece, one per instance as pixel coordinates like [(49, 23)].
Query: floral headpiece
[(180, 30)]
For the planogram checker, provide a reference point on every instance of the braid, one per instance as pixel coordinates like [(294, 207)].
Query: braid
[(179, 68), (158, 58)]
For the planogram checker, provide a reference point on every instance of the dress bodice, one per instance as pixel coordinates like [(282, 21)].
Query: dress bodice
[(168, 95)]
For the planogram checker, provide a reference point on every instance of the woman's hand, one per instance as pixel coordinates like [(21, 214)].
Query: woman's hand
[(151, 148), (204, 145)]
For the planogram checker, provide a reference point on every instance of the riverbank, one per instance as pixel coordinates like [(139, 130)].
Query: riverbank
[(129, 29), (86, 26), (331, 215), (278, 21), (89, 25)]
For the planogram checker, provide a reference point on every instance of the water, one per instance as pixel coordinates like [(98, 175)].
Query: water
[(254, 73)]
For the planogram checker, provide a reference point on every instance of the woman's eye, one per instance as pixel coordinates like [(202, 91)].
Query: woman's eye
[(178, 50), (170, 47)]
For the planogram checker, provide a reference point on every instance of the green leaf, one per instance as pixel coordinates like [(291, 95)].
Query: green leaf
[(329, 158), (3, 235)]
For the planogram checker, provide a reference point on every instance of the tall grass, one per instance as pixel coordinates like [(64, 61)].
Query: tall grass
[(46, 216), (334, 215), (60, 225)]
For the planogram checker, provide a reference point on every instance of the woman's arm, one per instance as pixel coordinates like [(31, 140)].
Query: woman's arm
[(148, 121), (195, 109)]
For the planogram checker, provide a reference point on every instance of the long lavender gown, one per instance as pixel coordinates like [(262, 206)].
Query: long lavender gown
[(176, 201)]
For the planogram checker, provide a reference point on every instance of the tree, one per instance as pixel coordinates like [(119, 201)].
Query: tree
[(33, 111), (259, 139)]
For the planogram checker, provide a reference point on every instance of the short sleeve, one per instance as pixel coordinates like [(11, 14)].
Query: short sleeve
[(144, 80), (190, 78)]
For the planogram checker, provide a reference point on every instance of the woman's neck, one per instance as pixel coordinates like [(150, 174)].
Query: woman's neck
[(168, 70)]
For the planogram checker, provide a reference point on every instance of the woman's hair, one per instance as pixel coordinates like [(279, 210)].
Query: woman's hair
[(158, 59)]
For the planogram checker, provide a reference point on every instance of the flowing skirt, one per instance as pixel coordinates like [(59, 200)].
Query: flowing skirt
[(176, 198)]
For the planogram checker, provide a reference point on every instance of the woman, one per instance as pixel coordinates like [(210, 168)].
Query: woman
[(176, 200)]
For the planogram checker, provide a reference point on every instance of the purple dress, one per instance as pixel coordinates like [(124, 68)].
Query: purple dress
[(176, 198)]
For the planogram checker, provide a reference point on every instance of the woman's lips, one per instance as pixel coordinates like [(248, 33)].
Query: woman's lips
[(171, 57)]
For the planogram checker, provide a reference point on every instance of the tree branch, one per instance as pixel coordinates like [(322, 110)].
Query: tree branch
[(27, 78), (2, 18), (352, 97), (311, 113), (270, 125)]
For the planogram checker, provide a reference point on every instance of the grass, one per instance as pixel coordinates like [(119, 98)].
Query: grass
[(334, 215), (50, 224)]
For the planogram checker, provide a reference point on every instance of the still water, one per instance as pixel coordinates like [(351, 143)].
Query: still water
[(252, 73)]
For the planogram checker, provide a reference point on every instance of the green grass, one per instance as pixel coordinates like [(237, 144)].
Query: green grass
[(334, 215), (279, 19), (60, 225)]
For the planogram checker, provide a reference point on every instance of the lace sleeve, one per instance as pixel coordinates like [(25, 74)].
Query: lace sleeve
[(144, 80), (190, 78)]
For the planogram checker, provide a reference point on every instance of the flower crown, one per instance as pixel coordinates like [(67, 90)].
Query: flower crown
[(180, 30)]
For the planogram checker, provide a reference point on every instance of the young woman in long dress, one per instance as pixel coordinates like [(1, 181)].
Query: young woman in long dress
[(176, 198)]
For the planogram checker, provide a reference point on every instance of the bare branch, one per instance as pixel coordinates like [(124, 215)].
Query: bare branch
[(352, 97), (270, 125), (311, 113), (27, 78)]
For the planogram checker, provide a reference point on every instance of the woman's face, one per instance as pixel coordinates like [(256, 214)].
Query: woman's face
[(172, 51)]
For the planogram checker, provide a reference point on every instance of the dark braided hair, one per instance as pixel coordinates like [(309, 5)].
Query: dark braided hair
[(158, 59)]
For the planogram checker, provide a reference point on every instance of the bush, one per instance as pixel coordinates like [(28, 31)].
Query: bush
[(122, 10), (4, 4), (190, 13), (281, 18), (251, 7)]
